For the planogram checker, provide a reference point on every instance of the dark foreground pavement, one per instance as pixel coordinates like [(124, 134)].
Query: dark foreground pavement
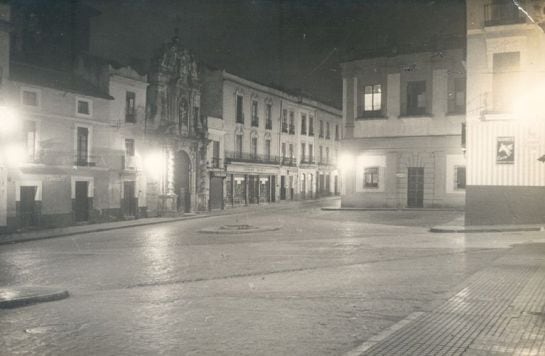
[(325, 283)]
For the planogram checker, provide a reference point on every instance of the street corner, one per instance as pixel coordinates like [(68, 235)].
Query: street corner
[(19, 296)]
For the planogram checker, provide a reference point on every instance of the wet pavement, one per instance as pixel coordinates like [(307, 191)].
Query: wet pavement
[(322, 284)]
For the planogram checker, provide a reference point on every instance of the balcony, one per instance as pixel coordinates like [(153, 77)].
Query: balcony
[(250, 158), (89, 161), (307, 160), (292, 129), (240, 118), (286, 161), (255, 121), (503, 13)]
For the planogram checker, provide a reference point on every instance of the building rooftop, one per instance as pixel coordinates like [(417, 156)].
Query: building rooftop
[(54, 79)]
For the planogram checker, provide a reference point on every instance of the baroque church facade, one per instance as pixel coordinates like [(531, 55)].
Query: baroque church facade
[(174, 119)]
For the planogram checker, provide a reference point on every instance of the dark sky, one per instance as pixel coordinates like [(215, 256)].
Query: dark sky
[(296, 44)]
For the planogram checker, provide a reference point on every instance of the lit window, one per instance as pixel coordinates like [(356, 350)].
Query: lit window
[(370, 177), (372, 97)]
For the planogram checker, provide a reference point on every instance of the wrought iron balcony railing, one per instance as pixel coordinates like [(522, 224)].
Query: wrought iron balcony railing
[(287, 161), (250, 157), (307, 160)]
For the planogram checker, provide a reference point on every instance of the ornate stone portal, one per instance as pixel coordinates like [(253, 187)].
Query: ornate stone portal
[(174, 117)]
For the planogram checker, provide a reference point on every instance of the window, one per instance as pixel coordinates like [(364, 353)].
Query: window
[(321, 154), (457, 98), (129, 147), (215, 154), (255, 118), (303, 124), (416, 98), (310, 153), (291, 151), (502, 12), (321, 129), (327, 130), (238, 146), (196, 117), (504, 80), (268, 149), (240, 114), (30, 139), (254, 147), (327, 155), (372, 99), (292, 123), (129, 153), (130, 107), (336, 132), (311, 125), (303, 153), (82, 146), (268, 114), (83, 107), (30, 98), (284, 150), (285, 120), (460, 178), (370, 177)]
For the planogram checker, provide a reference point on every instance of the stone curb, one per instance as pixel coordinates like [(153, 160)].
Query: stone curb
[(40, 295), (486, 228), (20, 238), (390, 209)]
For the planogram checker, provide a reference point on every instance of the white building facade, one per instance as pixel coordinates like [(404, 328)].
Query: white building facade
[(505, 117), (403, 116)]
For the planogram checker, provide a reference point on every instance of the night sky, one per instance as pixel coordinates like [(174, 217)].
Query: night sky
[(294, 44)]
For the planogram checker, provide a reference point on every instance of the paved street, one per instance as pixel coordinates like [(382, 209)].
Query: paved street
[(324, 283)]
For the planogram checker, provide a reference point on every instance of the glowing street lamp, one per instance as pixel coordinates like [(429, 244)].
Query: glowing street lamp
[(9, 121)]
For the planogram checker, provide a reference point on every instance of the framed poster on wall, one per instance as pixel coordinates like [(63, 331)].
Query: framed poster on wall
[(505, 150)]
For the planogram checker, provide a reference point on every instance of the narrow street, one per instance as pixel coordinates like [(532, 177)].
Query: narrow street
[(322, 284)]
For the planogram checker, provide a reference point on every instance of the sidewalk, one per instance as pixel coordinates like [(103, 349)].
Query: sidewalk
[(90, 228), (497, 311), (457, 225)]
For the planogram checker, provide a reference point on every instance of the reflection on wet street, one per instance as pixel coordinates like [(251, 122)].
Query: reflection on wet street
[(324, 282)]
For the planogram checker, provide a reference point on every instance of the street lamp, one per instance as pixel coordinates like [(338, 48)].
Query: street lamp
[(9, 122)]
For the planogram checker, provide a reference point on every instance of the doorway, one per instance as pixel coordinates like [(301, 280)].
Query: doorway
[(28, 206), (216, 193), (182, 181), (81, 203), (415, 187), (128, 198), (282, 187)]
